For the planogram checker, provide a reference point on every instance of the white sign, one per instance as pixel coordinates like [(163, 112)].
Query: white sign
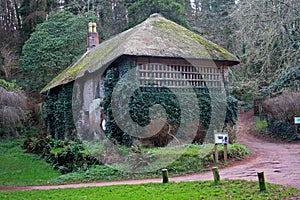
[(297, 120), (221, 138)]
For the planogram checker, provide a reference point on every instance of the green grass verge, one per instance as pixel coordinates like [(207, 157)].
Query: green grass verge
[(195, 158), (18, 168), (229, 189), (259, 124)]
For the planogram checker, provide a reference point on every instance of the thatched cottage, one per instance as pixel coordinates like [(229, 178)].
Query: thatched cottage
[(161, 52)]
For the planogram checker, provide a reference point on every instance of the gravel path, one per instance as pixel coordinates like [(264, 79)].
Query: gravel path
[(279, 161)]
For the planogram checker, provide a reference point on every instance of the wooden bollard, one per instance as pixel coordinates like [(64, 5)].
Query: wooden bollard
[(216, 175), (225, 154), (165, 176), (261, 181), (216, 153)]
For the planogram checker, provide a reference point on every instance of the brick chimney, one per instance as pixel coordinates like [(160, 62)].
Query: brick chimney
[(93, 37)]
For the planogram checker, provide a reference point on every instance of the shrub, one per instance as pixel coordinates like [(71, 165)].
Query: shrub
[(283, 108), (12, 109), (65, 156), (280, 112)]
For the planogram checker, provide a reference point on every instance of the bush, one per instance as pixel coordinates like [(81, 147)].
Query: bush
[(280, 112), (65, 156), (283, 108), (12, 108)]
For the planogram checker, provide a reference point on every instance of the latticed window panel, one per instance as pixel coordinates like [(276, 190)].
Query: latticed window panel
[(179, 76)]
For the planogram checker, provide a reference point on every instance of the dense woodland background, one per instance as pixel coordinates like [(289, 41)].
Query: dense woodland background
[(40, 38)]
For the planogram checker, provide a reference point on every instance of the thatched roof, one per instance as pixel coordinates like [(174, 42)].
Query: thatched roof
[(156, 37)]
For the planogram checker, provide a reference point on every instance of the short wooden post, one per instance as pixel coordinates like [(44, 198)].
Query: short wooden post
[(216, 153), (225, 153), (165, 175), (216, 175), (297, 123), (261, 181)]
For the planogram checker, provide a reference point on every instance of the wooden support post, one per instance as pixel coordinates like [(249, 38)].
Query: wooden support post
[(225, 153), (261, 181), (216, 175), (216, 153), (165, 175)]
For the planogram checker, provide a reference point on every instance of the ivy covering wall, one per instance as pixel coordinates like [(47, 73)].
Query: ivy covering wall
[(60, 123), (58, 112), (144, 98)]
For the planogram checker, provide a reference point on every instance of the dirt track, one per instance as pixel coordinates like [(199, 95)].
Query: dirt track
[(279, 161)]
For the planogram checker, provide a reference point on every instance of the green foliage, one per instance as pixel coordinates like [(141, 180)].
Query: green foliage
[(260, 124), (287, 79), (145, 97), (282, 130), (55, 44), (112, 129), (192, 158), (227, 189), (10, 86), (58, 114), (232, 110), (20, 169), (199, 158), (235, 151), (65, 156), (140, 10)]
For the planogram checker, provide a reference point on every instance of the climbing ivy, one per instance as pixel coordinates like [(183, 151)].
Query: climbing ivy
[(145, 97), (58, 112), (59, 118), (112, 129)]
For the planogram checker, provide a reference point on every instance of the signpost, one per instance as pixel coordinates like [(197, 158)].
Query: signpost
[(297, 122), (221, 139)]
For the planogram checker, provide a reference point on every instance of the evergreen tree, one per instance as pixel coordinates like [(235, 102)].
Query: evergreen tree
[(55, 44)]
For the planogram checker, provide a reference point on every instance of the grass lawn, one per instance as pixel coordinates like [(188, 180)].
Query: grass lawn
[(18, 168), (260, 124), (196, 158), (232, 189)]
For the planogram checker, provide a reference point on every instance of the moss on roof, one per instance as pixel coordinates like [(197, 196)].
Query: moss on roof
[(157, 37)]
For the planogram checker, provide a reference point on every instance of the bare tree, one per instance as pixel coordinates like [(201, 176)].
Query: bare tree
[(112, 14), (9, 36), (213, 20), (268, 41), (9, 61)]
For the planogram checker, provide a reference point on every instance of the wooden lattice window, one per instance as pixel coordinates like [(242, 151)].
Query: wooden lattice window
[(178, 76)]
